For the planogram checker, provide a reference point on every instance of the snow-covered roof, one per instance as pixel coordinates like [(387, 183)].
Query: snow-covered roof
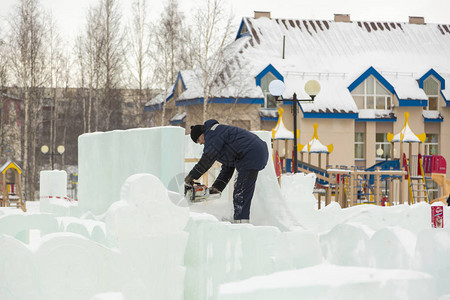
[(10, 164), (268, 113), (334, 53), (280, 132), (376, 114), (178, 118), (432, 115), (406, 135), (168, 94)]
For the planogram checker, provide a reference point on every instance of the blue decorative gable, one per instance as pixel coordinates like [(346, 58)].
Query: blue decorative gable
[(374, 73), (179, 79), (436, 75), (266, 70), (243, 30), (388, 86)]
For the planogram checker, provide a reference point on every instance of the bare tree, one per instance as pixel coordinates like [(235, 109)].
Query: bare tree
[(172, 51), (3, 84), (28, 62), (89, 60), (112, 61), (56, 65), (213, 27), (139, 59), (82, 81)]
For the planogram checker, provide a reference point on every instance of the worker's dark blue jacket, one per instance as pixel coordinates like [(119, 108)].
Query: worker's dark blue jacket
[(234, 147)]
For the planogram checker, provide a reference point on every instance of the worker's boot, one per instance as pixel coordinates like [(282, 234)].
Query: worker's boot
[(241, 221)]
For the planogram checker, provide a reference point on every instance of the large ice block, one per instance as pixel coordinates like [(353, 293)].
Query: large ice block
[(107, 159)]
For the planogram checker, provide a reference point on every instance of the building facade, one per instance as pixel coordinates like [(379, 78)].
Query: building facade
[(370, 73)]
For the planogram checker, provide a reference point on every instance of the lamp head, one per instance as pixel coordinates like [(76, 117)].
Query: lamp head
[(61, 149), (44, 149), (380, 152), (277, 87), (312, 88)]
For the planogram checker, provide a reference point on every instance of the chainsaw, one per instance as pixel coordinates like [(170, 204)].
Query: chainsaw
[(197, 192)]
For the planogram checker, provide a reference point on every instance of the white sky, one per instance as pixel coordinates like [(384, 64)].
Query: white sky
[(70, 14)]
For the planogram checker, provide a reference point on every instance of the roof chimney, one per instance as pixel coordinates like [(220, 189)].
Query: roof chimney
[(416, 20), (259, 14), (342, 18)]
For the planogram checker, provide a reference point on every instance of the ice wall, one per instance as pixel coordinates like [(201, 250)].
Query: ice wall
[(220, 252), (106, 159)]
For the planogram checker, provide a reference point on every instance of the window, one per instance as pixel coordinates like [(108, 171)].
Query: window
[(269, 100), (431, 144), (431, 89), (372, 95), (432, 189), (383, 144), (360, 145)]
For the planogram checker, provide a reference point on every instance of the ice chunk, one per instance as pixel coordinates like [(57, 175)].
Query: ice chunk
[(53, 184), (145, 209), (297, 190), (298, 249), (91, 229), (53, 192), (19, 225), (345, 245), (392, 248), (17, 270), (417, 217), (107, 159), (71, 267), (432, 256), (268, 205)]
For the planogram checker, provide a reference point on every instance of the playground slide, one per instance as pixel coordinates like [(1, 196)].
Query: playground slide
[(385, 165)]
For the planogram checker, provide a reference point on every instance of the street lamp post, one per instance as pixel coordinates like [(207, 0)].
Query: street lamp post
[(312, 88), (60, 149)]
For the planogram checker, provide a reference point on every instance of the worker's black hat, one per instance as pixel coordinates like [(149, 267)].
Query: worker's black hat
[(196, 131)]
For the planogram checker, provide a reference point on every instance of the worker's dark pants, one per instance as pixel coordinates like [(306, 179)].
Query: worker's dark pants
[(244, 187)]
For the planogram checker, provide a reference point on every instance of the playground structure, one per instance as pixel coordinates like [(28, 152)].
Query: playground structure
[(417, 187), (11, 186), (384, 183), (445, 185), (281, 133)]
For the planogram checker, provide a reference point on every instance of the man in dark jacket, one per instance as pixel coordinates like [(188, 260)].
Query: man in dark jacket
[(235, 148)]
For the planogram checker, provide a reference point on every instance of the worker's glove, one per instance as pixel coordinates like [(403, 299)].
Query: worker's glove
[(213, 190), (189, 180)]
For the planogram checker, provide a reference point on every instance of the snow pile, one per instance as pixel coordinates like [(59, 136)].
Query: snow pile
[(332, 282)]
